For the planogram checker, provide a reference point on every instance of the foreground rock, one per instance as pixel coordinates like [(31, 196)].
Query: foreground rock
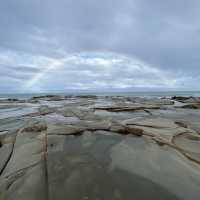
[(24, 174), (100, 148)]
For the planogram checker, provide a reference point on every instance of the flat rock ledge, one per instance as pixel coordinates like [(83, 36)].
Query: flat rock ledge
[(90, 147)]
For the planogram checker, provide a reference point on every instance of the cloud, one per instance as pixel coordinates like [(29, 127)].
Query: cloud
[(99, 44), (89, 71)]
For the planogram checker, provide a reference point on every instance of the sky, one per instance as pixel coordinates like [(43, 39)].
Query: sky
[(106, 45)]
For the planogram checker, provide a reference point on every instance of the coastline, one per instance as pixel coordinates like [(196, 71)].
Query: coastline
[(149, 94)]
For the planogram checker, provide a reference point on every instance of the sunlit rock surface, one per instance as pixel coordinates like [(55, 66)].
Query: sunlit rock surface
[(97, 148)]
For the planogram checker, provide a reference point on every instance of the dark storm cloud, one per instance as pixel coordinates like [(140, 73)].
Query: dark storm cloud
[(162, 34)]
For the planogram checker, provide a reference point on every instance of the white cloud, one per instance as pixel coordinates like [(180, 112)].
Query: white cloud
[(87, 71)]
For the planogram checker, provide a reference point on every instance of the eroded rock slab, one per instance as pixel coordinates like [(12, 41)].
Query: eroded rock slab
[(5, 153), (101, 165), (162, 165), (100, 148), (24, 176)]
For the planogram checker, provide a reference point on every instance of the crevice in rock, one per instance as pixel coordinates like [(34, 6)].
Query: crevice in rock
[(181, 124), (14, 179), (78, 133), (126, 109), (149, 112), (148, 126), (23, 169), (175, 136), (45, 165), (9, 158), (162, 142)]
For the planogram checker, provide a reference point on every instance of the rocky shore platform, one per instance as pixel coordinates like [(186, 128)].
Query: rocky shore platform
[(100, 148)]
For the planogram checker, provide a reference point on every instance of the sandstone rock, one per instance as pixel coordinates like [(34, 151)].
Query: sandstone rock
[(118, 128), (189, 143), (55, 143), (23, 176), (103, 132), (87, 96), (134, 131), (56, 118), (5, 153), (75, 112), (181, 124), (62, 129), (180, 98), (45, 110), (98, 125), (191, 106), (152, 123), (128, 108), (48, 97), (48, 161), (26, 184), (160, 164), (35, 127), (160, 102)]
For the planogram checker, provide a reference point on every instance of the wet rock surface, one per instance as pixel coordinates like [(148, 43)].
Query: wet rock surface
[(96, 147)]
